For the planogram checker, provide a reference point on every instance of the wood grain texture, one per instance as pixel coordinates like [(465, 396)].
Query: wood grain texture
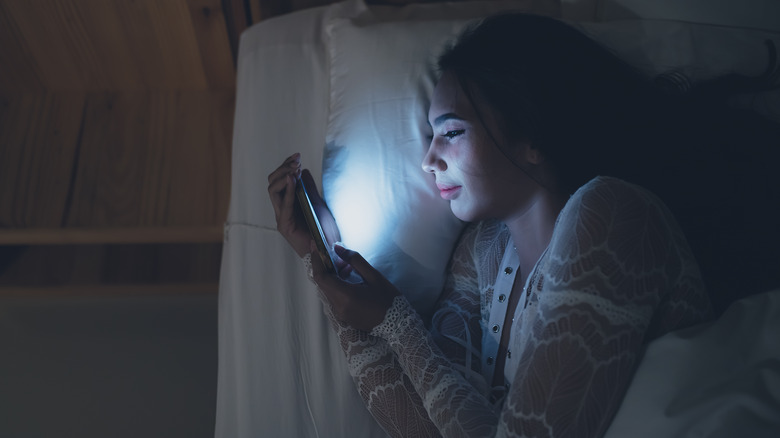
[(39, 137), (18, 71), (115, 159), (116, 121), (153, 159), (237, 18), (41, 27), (92, 45), (210, 26)]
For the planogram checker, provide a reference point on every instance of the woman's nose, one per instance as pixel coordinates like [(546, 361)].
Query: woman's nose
[(432, 162)]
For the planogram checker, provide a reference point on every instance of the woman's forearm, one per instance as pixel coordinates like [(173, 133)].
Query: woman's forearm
[(453, 404), (387, 392)]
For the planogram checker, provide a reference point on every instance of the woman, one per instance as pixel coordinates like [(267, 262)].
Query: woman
[(562, 276)]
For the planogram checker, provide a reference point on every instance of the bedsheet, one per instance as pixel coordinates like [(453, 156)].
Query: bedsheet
[(281, 371)]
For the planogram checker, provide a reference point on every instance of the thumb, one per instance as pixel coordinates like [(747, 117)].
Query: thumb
[(358, 263)]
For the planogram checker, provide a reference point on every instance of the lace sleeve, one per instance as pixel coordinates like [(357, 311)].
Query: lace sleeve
[(385, 389), (454, 405), (443, 363), (617, 253)]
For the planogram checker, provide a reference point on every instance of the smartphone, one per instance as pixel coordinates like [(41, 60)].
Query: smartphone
[(315, 229)]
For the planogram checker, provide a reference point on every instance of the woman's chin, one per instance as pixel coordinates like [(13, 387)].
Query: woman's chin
[(464, 214)]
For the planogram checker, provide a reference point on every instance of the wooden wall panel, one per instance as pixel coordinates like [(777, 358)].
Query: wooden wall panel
[(199, 138), (182, 67), (116, 120), (111, 155), (210, 27), (39, 26), (153, 159), (149, 56), (39, 135), (96, 45), (18, 73)]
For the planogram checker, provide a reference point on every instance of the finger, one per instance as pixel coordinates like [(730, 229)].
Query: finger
[(330, 284), (287, 209), (277, 186), (277, 180), (282, 195), (292, 162), (345, 270), (278, 176), (359, 264)]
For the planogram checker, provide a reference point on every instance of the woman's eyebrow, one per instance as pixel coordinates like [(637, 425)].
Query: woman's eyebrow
[(444, 117)]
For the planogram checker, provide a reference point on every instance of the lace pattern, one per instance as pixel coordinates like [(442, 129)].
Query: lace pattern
[(386, 390), (618, 272)]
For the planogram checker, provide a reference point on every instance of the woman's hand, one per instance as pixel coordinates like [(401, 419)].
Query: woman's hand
[(289, 217), (360, 305)]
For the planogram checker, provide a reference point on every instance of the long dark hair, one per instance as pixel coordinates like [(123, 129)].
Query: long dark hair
[(590, 113)]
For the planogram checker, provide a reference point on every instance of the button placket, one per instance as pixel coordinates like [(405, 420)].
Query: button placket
[(498, 312)]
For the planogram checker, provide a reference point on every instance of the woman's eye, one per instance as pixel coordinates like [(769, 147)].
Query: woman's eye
[(454, 133)]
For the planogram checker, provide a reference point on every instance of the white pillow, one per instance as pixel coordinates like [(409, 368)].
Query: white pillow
[(382, 77), (720, 379)]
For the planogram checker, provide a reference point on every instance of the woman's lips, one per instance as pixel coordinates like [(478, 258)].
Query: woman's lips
[(448, 191)]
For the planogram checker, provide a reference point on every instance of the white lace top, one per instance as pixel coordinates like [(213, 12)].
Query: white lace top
[(616, 274)]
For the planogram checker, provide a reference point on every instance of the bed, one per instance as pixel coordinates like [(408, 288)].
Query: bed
[(347, 84)]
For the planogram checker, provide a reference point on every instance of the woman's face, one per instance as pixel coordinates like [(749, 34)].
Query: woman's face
[(470, 170)]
